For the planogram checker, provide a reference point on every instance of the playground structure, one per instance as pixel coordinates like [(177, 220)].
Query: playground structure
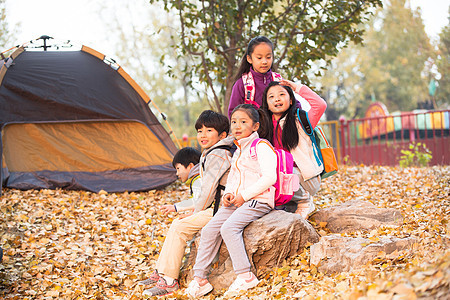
[(379, 137)]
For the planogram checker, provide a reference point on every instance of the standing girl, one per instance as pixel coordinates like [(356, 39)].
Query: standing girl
[(249, 195), (254, 74), (287, 133)]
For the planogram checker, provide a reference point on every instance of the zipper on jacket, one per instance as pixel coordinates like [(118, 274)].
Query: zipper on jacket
[(237, 168)]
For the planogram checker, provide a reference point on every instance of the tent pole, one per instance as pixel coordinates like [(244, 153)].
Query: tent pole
[(168, 125), (45, 38)]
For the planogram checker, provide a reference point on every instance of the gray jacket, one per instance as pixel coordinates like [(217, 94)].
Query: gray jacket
[(214, 168)]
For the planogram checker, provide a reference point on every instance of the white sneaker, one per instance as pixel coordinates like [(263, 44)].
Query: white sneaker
[(306, 208), (241, 285), (194, 290)]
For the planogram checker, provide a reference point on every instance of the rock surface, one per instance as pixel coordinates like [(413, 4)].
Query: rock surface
[(335, 253), (268, 241), (357, 215)]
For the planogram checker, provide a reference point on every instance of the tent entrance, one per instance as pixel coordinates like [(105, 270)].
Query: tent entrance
[(86, 150)]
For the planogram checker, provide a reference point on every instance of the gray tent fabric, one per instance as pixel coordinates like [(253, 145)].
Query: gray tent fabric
[(69, 120)]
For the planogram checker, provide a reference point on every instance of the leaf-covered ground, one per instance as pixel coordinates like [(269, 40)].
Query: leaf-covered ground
[(82, 245)]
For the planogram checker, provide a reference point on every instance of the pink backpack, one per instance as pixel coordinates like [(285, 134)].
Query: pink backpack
[(287, 182)]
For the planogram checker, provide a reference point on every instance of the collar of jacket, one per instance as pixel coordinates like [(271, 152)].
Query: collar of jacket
[(259, 77), (193, 172), (245, 141)]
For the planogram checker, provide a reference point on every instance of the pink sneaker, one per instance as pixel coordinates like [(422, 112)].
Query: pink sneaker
[(154, 278), (162, 288)]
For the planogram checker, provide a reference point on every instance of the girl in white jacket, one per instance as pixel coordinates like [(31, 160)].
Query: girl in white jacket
[(287, 133), (249, 195)]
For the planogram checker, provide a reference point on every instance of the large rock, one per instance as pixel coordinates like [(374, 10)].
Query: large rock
[(357, 215), (268, 241), (335, 253)]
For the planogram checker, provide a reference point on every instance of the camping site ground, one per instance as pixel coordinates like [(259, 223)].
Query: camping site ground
[(82, 245)]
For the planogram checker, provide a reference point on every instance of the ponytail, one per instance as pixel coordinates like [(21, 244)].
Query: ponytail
[(289, 137), (265, 126)]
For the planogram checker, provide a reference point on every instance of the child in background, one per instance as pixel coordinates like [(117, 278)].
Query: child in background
[(212, 130), (287, 133), (186, 162), (249, 195), (254, 74)]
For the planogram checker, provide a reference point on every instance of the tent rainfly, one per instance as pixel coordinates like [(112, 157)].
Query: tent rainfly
[(70, 120)]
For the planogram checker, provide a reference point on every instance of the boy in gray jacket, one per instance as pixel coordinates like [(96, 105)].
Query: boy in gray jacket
[(212, 135)]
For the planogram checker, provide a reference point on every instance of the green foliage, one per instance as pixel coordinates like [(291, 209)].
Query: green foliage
[(443, 64), (393, 66), (144, 47), (216, 34), (6, 34), (418, 155)]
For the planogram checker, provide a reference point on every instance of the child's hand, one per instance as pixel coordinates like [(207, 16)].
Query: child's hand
[(167, 208), (238, 201), (226, 199), (289, 83)]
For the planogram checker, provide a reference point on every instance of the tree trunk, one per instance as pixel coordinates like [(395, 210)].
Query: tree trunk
[(226, 101), (187, 119), (231, 69)]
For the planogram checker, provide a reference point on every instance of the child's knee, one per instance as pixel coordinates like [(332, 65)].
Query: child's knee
[(223, 231), (228, 230), (312, 185), (175, 226), (209, 231), (181, 230)]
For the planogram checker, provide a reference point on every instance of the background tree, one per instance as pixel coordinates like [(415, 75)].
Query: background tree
[(399, 51), (6, 33), (443, 64), (216, 33), (340, 84), (393, 66), (145, 47)]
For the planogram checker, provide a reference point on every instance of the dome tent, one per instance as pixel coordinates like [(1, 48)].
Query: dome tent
[(73, 120)]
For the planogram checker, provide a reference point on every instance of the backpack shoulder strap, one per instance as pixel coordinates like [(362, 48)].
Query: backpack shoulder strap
[(276, 76), (217, 197), (197, 176), (253, 147), (226, 147), (320, 133), (304, 121), (249, 89)]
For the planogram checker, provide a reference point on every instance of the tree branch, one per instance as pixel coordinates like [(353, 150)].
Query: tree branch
[(291, 36), (201, 55), (334, 26)]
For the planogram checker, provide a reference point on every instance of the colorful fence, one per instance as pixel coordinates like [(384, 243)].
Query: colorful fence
[(379, 140)]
